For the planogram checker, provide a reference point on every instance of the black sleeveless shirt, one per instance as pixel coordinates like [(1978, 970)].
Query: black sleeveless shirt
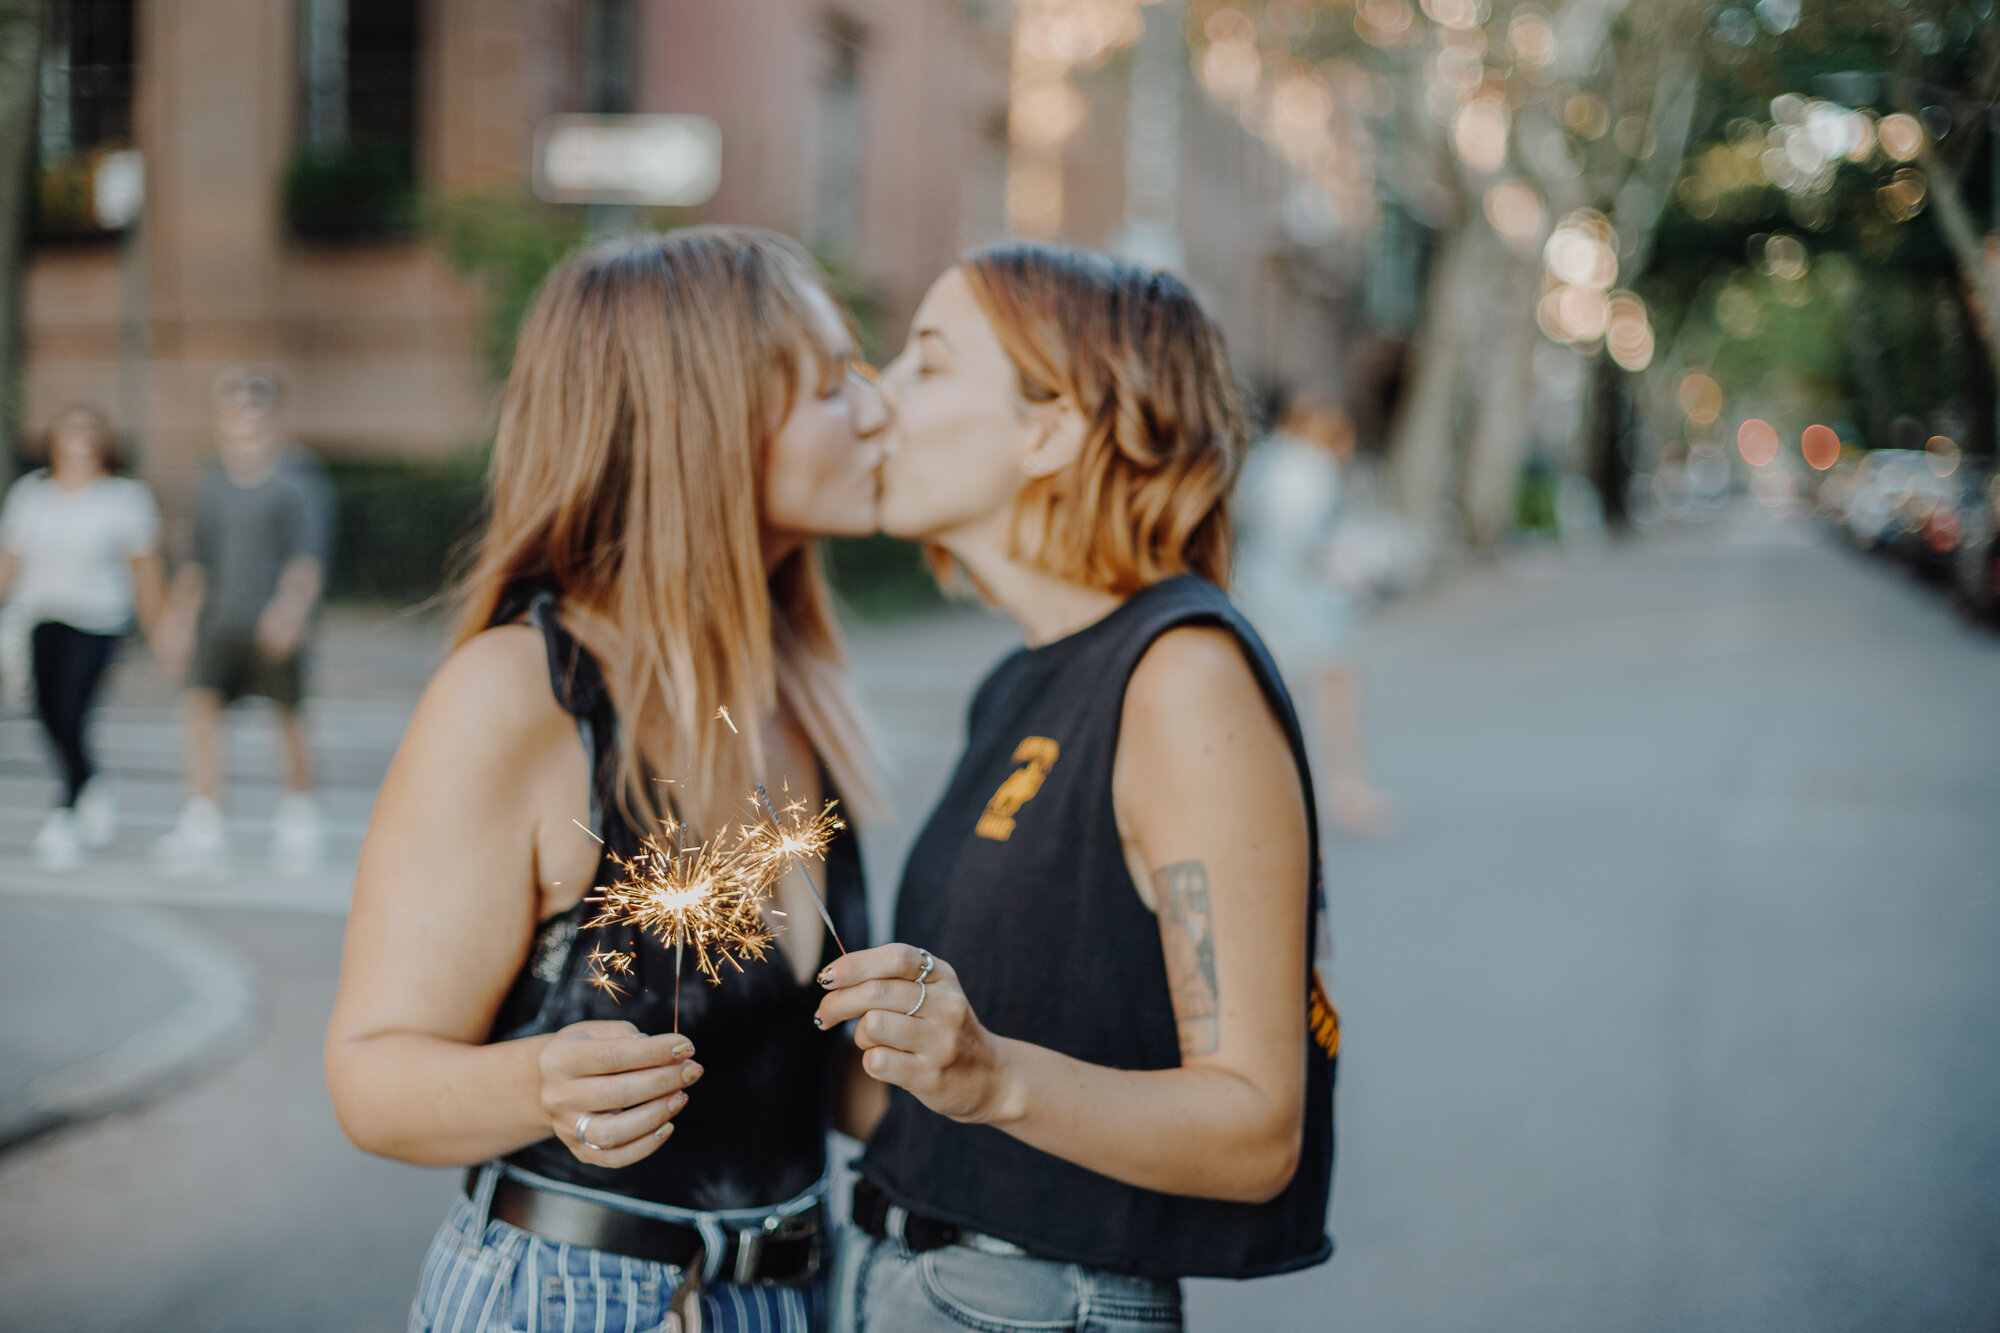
[(1021, 881), (753, 1132)]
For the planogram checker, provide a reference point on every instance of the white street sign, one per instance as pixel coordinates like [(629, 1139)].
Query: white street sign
[(661, 160)]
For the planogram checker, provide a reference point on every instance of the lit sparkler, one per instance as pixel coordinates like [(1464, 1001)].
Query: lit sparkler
[(705, 897), (711, 896), (799, 840)]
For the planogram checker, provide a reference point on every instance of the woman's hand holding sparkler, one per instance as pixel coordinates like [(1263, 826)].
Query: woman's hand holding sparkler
[(917, 1031), (611, 1092)]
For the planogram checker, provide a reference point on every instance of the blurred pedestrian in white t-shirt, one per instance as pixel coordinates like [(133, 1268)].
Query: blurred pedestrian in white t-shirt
[(79, 559), (1290, 503)]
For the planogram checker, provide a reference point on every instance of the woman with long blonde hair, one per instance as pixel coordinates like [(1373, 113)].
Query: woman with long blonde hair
[(682, 419)]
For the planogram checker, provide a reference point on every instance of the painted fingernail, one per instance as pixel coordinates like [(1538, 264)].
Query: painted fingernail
[(683, 1051), (677, 1101), (826, 977), (690, 1074), (663, 1131), (819, 1022)]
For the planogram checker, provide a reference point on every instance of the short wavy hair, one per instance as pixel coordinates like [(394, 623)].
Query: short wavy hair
[(1132, 348)]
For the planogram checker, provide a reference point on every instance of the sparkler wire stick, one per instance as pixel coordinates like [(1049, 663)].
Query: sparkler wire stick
[(819, 902), (680, 939)]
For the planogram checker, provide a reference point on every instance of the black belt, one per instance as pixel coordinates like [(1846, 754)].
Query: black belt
[(872, 1211), (782, 1250)]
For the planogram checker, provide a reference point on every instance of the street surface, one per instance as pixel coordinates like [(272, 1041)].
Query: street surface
[(1674, 1005)]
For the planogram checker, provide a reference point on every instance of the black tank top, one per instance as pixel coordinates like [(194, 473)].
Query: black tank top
[(1020, 880), (754, 1130)]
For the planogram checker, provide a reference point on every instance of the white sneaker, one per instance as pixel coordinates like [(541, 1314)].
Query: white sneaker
[(97, 813), (298, 837), (57, 846), (196, 846)]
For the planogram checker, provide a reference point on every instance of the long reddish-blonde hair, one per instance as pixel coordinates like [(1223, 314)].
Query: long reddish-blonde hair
[(1147, 498), (628, 471)]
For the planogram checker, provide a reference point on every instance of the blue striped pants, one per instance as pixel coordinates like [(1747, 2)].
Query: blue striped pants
[(484, 1276)]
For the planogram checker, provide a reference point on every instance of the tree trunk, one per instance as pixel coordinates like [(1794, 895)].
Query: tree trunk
[(1421, 440), (20, 85), (1968, 247), (1607, 421), (1501, 430)]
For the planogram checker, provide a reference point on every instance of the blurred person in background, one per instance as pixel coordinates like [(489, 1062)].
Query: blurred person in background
[(1111, 1059), (1292, 503), (683, 418), (240, 616), (79, 556)]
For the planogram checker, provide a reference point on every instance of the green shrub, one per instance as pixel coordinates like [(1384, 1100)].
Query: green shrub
[(879, 578), (1535, 500), (401, 523), (351, 191), (505, 242)]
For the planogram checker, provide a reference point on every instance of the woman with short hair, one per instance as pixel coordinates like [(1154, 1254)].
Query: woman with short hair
[(1110, 1056)]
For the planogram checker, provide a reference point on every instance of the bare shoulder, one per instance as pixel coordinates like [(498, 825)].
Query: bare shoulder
[(491, 696), (1196, 720), (1193, 672)]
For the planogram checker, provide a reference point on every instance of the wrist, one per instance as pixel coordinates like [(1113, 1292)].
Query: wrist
[(1007, 1097)]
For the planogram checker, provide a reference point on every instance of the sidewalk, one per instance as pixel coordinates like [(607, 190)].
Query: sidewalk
[(105, 1009)]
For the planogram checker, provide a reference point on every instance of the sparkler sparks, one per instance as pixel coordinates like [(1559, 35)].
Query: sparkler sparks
[(704, 898), (712, 897), (605, 964), (801, 839)]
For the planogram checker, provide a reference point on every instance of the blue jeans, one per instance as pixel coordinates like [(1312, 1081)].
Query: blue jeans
[(484, 1276), (884, 1288)]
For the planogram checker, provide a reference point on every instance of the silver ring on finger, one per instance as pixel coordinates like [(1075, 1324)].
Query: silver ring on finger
[(925, 970), (923, 993), (583, 1132)]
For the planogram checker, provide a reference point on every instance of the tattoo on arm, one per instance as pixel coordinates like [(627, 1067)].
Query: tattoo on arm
[(1187, 934)]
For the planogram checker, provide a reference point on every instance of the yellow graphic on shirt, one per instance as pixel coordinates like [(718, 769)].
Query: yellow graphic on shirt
[(1322, 1019), (1036, 755)]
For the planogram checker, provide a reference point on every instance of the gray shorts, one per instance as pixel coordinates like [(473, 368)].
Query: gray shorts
[(229, 662)]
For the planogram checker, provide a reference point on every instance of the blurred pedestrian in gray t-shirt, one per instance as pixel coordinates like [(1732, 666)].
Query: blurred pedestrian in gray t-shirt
[(244, 536), (241, 613)]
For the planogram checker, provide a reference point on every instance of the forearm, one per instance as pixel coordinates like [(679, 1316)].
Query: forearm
[(1197, 1131), (149, 591), (299, 584), (185, 593), (434, 1102)]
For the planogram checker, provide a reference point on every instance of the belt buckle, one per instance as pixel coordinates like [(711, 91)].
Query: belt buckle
[(750, 1251)]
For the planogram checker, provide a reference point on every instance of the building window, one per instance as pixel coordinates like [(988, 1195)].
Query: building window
[(607, 75), (354, 174), (837, 139), (85, 111)]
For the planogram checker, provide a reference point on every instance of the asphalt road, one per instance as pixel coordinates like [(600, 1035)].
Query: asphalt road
[(1673, 1006)]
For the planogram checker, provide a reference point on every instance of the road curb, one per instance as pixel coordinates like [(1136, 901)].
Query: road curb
[(214, 1022)]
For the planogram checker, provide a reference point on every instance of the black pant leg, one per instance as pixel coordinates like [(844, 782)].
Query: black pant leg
[(69, 664)]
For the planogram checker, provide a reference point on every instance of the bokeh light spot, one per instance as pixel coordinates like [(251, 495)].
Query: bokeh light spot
[(1820, 446), (1902, 135), (1757, 441), (1701, 398)]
